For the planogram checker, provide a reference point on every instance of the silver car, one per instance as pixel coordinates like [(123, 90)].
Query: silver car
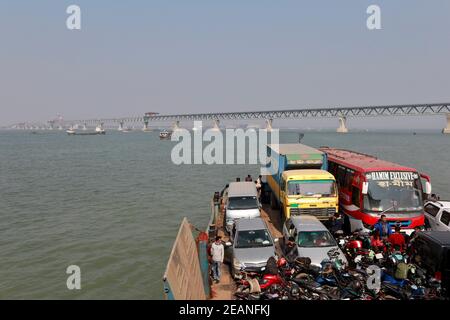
[(312, 237), (250, 247)]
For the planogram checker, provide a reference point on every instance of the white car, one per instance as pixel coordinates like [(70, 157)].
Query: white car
[(437, 215), (241, 201)]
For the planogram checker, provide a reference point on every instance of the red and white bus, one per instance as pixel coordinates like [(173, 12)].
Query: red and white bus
[(370, 187)]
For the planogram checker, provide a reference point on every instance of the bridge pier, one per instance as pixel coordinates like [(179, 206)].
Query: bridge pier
[(446, 130), (145, 128), (176, 126), (216, 126), (269, 124), (342, 125)]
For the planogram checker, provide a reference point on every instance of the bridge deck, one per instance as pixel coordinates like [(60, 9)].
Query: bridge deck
[(326, 112)]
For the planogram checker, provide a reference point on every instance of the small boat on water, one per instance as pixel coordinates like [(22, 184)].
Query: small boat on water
[(165, 135), (98, 130)]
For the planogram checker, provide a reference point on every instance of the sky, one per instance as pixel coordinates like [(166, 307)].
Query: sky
[(189, 56)]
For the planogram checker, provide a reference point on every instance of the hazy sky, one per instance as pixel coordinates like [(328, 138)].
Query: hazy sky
[(204, 56)]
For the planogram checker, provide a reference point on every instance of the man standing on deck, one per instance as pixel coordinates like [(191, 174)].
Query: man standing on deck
[(383, 227), (217, 253)]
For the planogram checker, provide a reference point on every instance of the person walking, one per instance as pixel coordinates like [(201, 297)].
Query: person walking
[(258, 183), (217, 253)]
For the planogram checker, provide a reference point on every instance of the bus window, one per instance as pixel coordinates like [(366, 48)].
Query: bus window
[(340, 176), (355, 196), (348, 179)]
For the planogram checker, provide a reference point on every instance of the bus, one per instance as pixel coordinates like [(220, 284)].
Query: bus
[(370, 187)]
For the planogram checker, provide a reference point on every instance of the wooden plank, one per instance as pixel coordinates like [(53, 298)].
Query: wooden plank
[(183, 273)]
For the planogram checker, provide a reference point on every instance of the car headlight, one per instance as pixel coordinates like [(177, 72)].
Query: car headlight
[(237, 264)]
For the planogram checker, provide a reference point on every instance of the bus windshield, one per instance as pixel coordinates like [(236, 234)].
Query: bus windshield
[(312, 188), (393, 192)]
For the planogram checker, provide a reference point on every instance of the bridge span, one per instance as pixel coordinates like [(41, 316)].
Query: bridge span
[(341, 113)]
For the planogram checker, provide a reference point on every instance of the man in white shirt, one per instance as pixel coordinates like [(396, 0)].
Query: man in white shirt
[(217, 253)]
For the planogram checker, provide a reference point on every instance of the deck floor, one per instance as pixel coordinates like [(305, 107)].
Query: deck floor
[(224, 290)]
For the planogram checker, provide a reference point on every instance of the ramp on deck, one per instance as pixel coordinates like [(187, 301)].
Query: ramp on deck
[(183, 277)]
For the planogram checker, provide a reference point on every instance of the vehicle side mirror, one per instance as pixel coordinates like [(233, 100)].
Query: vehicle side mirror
[(428, 187), (365, 187)]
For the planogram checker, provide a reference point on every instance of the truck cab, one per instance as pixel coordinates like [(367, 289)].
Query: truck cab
[(308, 191)]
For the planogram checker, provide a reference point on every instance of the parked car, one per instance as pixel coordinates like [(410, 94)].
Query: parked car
[(437, 215), (431, 250), (312, 237), (241, 201), (250, 246)]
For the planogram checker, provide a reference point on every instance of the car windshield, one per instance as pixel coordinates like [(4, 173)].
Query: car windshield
[(253, 239), (313, 239), (321, 188), (393, 192), (239, 203)]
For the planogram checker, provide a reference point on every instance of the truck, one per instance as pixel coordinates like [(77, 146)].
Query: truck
[(299, 182)]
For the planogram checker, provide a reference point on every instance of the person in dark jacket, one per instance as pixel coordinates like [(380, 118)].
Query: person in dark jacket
[(335, 223), (383, 227), (291, 250)]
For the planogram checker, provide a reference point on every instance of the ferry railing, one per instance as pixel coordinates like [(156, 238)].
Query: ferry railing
[(215, 211)]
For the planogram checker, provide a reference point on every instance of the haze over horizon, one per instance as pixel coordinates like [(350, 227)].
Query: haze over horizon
[(203, 56)]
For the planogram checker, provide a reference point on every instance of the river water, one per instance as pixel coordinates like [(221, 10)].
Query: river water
[(112, 204)]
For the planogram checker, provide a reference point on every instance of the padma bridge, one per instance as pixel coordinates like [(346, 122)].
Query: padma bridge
[(340, 113)]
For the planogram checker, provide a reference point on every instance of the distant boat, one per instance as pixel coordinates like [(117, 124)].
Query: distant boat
[(98, 131), (165, 135), (124, 130)]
